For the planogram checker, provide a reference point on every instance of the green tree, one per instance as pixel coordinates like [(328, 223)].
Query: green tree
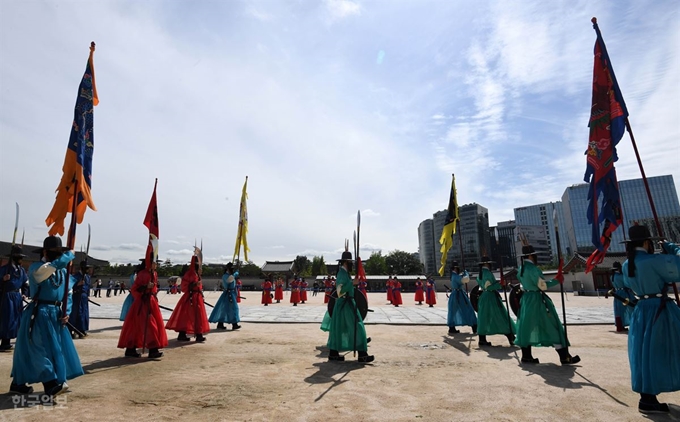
[(300, 264), (403, 263), (375, 264), (318, 266), (250, 269)]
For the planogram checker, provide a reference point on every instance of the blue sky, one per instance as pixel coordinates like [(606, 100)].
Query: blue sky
[(328, 106)]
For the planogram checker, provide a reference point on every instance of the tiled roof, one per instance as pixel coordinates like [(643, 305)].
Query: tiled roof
[(277, 266), (578, 262)]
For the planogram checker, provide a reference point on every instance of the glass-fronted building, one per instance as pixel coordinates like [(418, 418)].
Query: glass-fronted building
[(542, 215), (474, 229), (635, 207)]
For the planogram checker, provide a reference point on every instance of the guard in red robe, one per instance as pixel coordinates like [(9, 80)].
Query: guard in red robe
[(396, 292), (239, 284), (295, 292), (390, 298), (266, 292), (420, 297), (143, 326), (303, 290), (328, 289), (278, 291), (189, 316), (430, 293)]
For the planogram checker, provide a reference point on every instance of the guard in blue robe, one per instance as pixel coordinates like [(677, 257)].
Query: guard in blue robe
[(654, 333), (226, 308), (622, 312), (80, 314), (44, 349), (461, 311), (12, 278)]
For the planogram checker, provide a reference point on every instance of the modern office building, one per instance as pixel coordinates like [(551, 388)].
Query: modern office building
[(505, 234), (537, 237), (635, 207), (472, 232), (427, 246), (542, 215)]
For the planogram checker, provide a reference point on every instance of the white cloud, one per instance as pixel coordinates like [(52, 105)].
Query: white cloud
[(343, 8), (369, 213), (497, 94)]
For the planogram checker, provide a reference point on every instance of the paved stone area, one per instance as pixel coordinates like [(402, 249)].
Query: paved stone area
[(412, 314)]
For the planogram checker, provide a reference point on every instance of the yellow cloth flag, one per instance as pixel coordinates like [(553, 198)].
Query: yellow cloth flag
[(241, 238), (446, 240)]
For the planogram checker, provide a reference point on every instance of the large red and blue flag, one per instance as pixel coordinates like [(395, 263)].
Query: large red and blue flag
[(607, 124), (77, 169)]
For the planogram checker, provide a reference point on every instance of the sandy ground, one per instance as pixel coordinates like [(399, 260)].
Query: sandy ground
[(267, 372)]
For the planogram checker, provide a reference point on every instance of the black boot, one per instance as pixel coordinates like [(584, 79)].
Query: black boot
[(649, 404), (220, 326), (566, 358), (527, 357), (334, 355), (200, 338), (132, 353), (453, 330), (364, 357), (20, 388), (511, 339), (235, 326), (54, 388), (155, 354), (5, 345), (474, 329), (183, 336), (483, 342)]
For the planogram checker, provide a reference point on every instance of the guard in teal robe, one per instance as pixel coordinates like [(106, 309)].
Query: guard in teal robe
[(346, 330), (492, 315), (127, 303), (226, 309), (44, 349), (654, 334), (539, 323)]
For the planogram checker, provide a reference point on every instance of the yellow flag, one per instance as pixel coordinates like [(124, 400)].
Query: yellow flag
[(446, 240), (241, 238)]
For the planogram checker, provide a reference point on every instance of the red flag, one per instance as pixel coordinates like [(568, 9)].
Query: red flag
[(607, 123), (361, 274), (151, 222), (560, 276)]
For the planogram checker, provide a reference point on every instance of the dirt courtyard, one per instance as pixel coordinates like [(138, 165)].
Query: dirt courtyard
[(278, 372)]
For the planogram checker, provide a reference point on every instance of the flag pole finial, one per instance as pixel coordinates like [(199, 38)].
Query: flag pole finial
[(594, 20)]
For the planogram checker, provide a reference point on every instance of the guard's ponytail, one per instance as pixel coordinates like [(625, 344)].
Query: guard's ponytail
[(630, 254)]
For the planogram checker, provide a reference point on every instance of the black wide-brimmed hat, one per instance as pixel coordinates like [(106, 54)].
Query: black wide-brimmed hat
[(485, 260), (528, 250), (51, 242), (616, 265), (16, 251), (637, 233), (346, 256), (84, 264), (454, 264)]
